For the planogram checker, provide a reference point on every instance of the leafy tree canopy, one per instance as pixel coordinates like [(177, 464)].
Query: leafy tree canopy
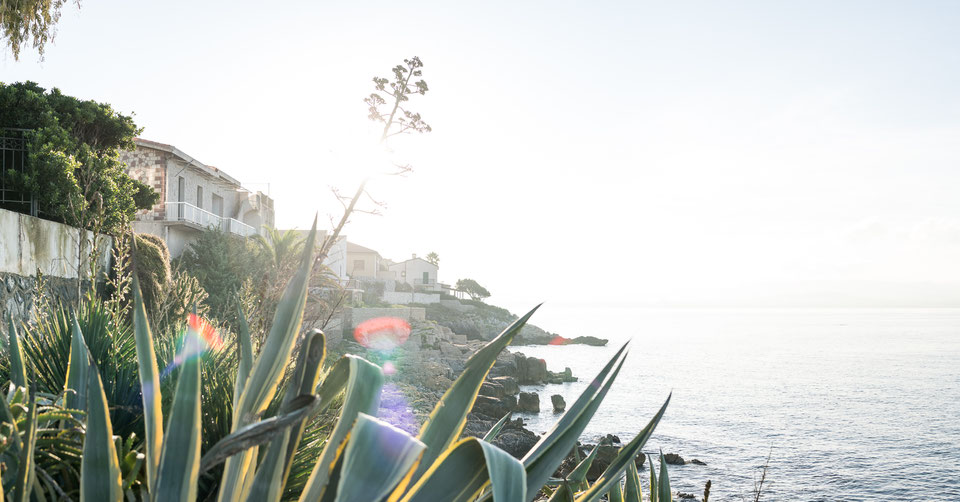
[(472, 288), (73, 157), (29, 22), (433, 258)]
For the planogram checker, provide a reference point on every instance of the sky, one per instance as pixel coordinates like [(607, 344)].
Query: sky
[(582, 153)]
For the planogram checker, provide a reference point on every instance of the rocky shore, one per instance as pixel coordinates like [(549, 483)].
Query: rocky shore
[(425, 366)]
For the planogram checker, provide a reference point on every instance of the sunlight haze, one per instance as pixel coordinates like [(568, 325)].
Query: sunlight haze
[(636, 153)]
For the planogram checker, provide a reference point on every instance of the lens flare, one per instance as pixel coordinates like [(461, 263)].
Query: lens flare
[(382, 333), (558, 340), (200, 337)]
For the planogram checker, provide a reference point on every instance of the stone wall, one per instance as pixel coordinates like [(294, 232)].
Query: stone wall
[(18, 295), (401, 298), (29, 245), (149, 166)]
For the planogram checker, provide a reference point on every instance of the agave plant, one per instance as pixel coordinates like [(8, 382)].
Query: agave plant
[(361, 459)]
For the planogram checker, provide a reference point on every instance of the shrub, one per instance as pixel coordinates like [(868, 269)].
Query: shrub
[(356, 458)]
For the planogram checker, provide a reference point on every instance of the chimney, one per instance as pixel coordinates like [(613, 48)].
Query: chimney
[(414, 256)]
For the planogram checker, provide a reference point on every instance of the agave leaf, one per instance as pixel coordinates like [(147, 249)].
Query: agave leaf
[(149, 387), (26, 475), (492, 433), (267, 370), (448, 417), (653, 482), (100, 468), (552, 448), (578, 475), (563, 493), (246, 356), (78, 369), (632, 492), (626, 456), (180, 459), (466, 469), (663, 485), (616, 492), (259, 433), (18, 372), (362, 381), (375, 457), (273, 470)]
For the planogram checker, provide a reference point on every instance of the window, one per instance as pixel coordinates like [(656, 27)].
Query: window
[(200, 197), (426, 277), (357, 265), (217, 205)]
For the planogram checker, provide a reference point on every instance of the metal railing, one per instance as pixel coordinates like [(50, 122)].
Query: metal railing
[(186, 212)]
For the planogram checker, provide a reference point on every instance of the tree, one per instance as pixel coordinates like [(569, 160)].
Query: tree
[(29, 22), (400, 90), (221, 262), (433, 258), (472, 288), (73, 157)]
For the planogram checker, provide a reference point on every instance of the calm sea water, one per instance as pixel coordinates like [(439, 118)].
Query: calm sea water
[(851, 404)]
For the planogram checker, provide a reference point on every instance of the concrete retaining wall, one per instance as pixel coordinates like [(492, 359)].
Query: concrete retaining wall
[(28, 245), (401, 298)]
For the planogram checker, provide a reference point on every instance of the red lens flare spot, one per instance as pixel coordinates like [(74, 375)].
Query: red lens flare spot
[(206, 331), (558, 340), (382, 333)]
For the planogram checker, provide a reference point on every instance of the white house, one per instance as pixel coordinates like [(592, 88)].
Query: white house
[(193, 197), (417, 272)]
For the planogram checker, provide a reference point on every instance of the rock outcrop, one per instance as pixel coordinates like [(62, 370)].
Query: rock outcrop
[(558, 403), (528, 402)]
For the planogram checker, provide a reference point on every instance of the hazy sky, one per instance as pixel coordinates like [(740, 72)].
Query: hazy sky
[(748, 153)]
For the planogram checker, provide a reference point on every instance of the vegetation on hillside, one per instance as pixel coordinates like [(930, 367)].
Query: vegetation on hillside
[(221, 405)]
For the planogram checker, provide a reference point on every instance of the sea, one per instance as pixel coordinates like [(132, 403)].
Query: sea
[(847, 404)]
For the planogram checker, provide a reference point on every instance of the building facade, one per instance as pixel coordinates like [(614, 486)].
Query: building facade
[(417, 272), (193, 197)]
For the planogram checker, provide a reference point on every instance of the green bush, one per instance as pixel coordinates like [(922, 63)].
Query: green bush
[(267, 410)]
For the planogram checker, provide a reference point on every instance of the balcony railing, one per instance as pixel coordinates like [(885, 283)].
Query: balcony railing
[(182, 211)]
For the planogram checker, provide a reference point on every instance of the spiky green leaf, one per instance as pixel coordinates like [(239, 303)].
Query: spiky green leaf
[(361, 381), (542, 460), (180, 459), (149, 387), (466, 469), (625, 457), (100, 469), (448, 417), (267, 371), (18, 370), (26, 474), (492, 433)]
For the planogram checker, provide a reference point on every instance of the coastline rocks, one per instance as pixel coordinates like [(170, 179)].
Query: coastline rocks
[(493, 407), (530, 370), (558, 403), (528, 402), (515, 439), (673, 459), (697, 462), (508, 384)]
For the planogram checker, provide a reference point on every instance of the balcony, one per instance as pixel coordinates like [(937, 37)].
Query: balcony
[(200, 218)]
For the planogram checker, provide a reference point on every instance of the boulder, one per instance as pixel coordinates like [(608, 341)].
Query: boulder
[(531, 370), (558, 403), (492, 389), (673, 459), (450, 350), (492, 407), (697, 462), (528, 402), (508, 384), (516, 441)]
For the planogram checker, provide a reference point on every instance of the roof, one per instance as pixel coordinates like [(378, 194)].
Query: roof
[(415, 259), (356, 248), (208, 170)]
